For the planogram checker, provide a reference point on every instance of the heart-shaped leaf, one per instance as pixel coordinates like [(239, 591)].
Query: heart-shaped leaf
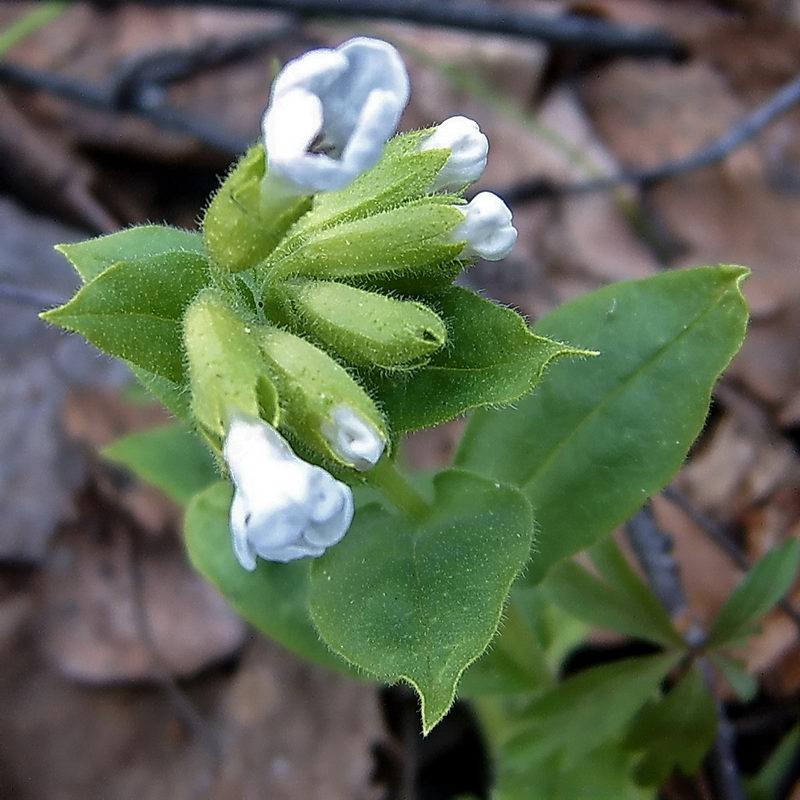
[(419, 600)]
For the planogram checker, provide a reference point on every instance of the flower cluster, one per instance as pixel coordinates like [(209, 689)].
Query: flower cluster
[(340, 234)]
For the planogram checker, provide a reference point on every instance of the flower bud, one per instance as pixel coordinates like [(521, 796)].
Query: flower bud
[(363, 328), (239, 229), (226, 367), (330, 114), (283, 508), (469, 151), (486, 230), (395, 243), (321, 404)]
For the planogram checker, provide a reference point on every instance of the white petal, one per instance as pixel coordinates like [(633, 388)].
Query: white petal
[(291, 553), (487, 229), (360, 90), (354, 439), (327, 532), (244, 551), (469, 152)]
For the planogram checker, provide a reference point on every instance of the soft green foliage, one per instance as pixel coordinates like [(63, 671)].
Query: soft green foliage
[(134, 309), (604, 774), (491, 357), (228, 375), (587, 710), (311, 385), (419, 600), (618, 599), (676, 730), (760, 589), (274, 598), (240, 227), (765, 785), (173, 396), (599, 437), (744, 684), (366, 329), (169, 457), (94, 256)]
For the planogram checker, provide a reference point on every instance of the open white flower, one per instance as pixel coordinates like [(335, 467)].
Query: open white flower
[(283, 508), (330, 114), (487, 228), (355, 440), (469, 151)]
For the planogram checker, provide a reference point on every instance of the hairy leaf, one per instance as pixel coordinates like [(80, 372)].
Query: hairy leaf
[(597, 438)]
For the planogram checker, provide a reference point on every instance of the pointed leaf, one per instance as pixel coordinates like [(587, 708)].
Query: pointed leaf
[(94, 256), (418, 601), (133, 310), (761, 588), (678, 730), (491, 357), (599, 437), (588, 709)]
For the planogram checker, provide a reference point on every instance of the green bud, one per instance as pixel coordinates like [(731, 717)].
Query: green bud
[(399, 243), (322, 406), (361, 327), (227, 372), (241, 226)]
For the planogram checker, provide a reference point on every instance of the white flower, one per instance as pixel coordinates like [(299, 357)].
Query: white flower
[(469, 150), (330, 114), (355, 440), (283, 508), (486, 229)]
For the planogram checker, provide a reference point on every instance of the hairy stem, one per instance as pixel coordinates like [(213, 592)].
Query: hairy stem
[(398, 490)]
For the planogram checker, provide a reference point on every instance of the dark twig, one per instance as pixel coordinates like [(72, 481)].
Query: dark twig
[(722, 539), (580, 33), (781, 102), (653, 549)]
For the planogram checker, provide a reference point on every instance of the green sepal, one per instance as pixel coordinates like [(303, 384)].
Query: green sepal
[(363, 328), (382, 247), (403, 174), (227, 371), (133, 309), (311, 386), (94, 256), (242, 226)]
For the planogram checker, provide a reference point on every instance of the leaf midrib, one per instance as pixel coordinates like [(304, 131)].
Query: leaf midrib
[(623, 385)]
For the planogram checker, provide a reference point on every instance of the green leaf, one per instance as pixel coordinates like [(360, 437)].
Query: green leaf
[(173, 396), (133, 310), (604, 774), (418, 601), (761, 588), (274, 598), (765, 785), (606, 605), (170, 457), (678, 730), (741, 681), (598, 438), (491, 357), (588, 709), (94, 256)]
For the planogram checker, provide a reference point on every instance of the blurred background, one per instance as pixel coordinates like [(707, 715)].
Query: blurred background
[(125, 676)]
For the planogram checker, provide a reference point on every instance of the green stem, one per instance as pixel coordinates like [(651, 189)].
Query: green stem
[(398, 490), (19, 30)]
